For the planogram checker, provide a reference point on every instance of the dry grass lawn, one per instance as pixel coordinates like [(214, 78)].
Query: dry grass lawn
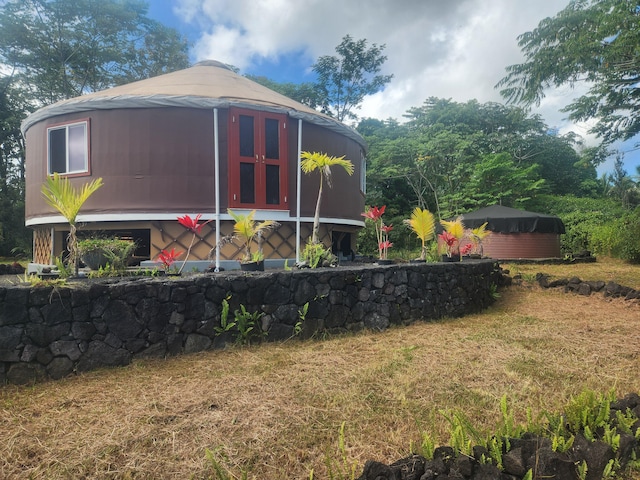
[(275, 410)]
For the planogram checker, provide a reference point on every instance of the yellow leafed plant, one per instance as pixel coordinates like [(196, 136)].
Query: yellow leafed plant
[(454, 227), (422, 223)]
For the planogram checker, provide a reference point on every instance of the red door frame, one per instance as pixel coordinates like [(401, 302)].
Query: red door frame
[(259, 158)]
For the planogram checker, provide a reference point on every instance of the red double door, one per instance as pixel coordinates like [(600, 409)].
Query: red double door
[(258, 159)]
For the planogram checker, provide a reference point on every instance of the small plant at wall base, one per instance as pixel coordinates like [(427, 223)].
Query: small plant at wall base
[(322, 163), (248, 231), (168, 258), (316, 255), (61, 195)]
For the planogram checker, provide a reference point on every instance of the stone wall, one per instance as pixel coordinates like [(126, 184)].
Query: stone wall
[(53, 331)]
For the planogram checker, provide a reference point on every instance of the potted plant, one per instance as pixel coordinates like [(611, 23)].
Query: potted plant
[(477, 236), (423, 224), (248, 231), (96, 252), (451, 238)]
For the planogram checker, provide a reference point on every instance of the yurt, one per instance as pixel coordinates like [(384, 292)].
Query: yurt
[(517, 234), (197, 141)]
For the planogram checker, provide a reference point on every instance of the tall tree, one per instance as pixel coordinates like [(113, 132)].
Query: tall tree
[(13, 107), (59, 49), (345, 80), (594, 42)]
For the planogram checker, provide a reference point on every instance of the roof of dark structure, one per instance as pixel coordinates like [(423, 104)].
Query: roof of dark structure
[(511, 220)]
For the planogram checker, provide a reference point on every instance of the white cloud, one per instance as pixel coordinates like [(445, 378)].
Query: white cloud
[(454, 49)]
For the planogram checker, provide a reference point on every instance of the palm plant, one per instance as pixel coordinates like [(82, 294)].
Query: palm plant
[(248, 231), (478, 235), (322, 163), (61, 195), (423, 224)]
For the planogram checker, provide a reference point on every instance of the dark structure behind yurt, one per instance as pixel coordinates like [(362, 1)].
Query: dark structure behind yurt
[(517, 233)]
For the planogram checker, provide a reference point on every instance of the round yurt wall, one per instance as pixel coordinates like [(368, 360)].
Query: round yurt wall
[(158, 145)]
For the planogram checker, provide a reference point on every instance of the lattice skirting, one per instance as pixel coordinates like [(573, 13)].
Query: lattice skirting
[(165, 235), (280, 243), (42, 245)]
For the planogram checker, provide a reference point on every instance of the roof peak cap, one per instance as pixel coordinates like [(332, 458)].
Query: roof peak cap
[(212, 63)]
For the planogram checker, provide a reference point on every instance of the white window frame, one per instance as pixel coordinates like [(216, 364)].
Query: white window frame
[(84, 148)]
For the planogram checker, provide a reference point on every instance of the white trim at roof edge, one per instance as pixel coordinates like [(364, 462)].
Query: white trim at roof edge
[(277, 215), (81, 104)]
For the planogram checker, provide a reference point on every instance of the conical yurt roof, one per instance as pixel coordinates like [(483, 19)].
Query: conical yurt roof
[(207, 84)]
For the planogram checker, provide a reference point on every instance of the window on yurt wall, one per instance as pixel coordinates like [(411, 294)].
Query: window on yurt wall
[(68, 148), (257, 159)]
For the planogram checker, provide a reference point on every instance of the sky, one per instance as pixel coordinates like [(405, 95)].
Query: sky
[(453, 49)]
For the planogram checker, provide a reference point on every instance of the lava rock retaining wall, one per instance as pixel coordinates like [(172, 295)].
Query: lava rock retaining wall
[(53, 331)]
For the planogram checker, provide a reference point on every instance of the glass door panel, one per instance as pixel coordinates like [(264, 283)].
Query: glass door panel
[(257, 159)]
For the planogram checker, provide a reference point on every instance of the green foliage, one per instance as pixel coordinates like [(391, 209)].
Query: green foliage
[(619, 237), (245, 325), (305, 93), (601, 226), (341, 469), (463, 434), (116, 251), (63, 269), (248, 325), (316, 255), (65, 48), (344, 80), (218, 461), (591, 41), (249, 231), (453, 157), (60, 193), (582, 470), (427, 446)]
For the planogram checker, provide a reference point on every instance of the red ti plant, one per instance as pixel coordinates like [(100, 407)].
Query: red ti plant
[(168, 258), (375, 214), (451, 241), (191, 224), (465, 249)]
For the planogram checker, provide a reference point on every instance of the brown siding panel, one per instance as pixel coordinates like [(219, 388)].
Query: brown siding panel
[(522, 245)]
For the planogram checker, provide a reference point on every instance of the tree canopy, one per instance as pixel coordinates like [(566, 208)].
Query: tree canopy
[(58, 49), (52, 50), (344, 80), (591, 42), (454, 157)]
